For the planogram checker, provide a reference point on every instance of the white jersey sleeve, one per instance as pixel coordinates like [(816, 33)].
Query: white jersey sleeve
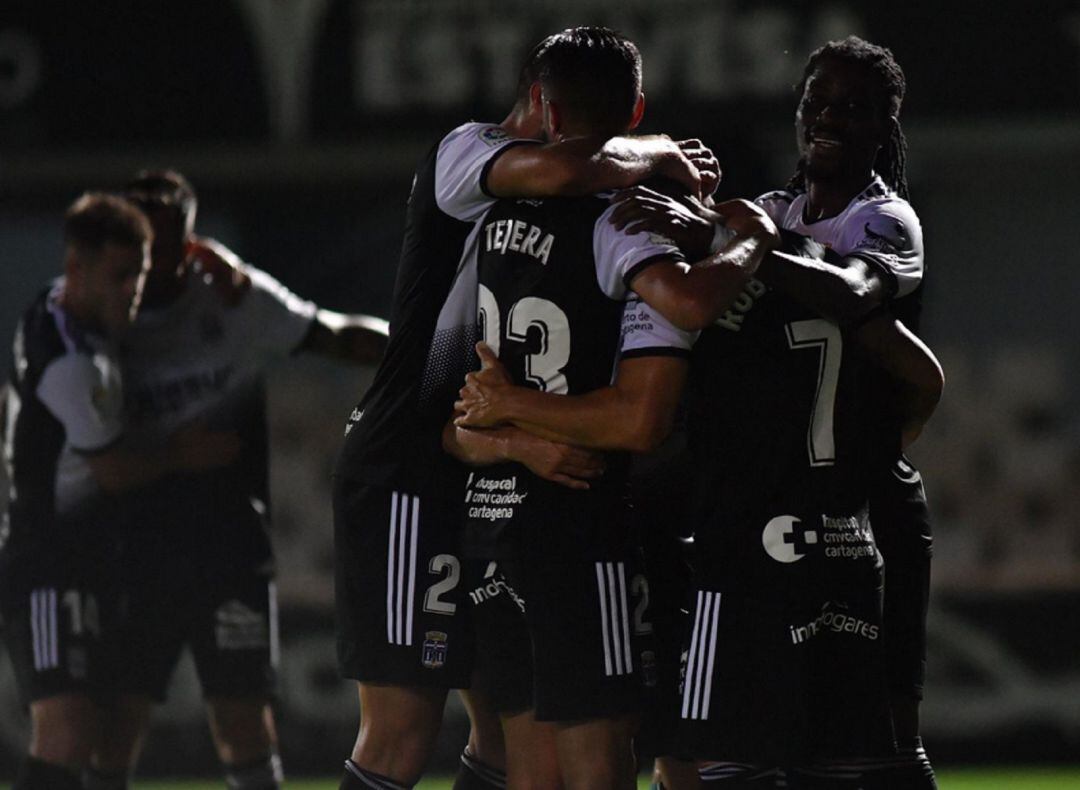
[(887, 235), (776, 204), (461, 166), (84, 393), (621, 256), (645, 332), (275, 319)]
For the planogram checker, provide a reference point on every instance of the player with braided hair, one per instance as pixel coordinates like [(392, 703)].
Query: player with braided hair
[(849, 193)]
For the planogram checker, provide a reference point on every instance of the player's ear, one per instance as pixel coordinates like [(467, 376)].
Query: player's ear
[(639, 111), (552, 120), (536, 98)]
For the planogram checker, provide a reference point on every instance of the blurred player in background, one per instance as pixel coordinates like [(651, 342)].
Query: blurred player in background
[(404, 631), (849, 193), (68, 458), (199, 565)]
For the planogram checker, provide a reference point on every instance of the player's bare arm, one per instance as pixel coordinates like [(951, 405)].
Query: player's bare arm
[(560, 463), (356, 338), (635, 413), (842, 290), (191, 449), (911, 364), (692, 297), (586, 165)]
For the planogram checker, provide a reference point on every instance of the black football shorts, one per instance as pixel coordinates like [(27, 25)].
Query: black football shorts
[(401, 600)]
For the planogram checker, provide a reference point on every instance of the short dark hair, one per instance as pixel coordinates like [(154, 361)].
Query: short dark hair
[(891, 162), (96, 219), (594, 73), (161, 188)]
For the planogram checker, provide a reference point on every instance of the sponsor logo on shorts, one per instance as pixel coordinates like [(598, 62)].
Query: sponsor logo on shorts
[(239, 627), (494, 586), (493, 498), (433, 653), (786, 539), (836, 622)]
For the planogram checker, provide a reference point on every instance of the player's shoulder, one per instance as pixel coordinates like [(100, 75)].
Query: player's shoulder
[(474, 133), (47, 331), (881, 199), (777, 196), (881, 219)]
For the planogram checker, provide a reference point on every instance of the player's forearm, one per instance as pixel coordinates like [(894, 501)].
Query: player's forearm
[(913, 367), (478, 446), (584, 166), (626, 161), (356, 338), (841, 294), (119, 470), (605, 419), (706, 290)]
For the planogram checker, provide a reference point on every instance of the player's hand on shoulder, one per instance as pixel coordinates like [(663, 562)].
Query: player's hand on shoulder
[(220, 267), (560, 463), (683, 219), (749, 220), (196, 448), (706, 163), (479, 400)]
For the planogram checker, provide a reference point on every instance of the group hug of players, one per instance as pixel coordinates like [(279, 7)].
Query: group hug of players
[(518, 536), (646, 516)]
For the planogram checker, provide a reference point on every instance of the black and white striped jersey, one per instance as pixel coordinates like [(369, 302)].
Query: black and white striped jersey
[(64, 402), (393, 437), (553, 297)]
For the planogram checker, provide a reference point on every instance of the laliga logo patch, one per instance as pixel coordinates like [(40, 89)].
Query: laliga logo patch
[(433, 653), (493, 135), (786, 539)]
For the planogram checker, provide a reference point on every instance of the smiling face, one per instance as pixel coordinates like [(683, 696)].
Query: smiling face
[(842, 121)]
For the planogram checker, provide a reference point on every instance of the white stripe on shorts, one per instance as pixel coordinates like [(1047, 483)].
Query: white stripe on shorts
[(697, 687), (614, 622), (43, 630), (403, 545)]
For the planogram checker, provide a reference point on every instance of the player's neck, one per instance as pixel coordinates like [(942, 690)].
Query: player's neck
[(828, 197), (162, 292), (80, 310)]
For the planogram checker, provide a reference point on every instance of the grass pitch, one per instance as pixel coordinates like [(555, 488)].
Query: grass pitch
[(954, 779)]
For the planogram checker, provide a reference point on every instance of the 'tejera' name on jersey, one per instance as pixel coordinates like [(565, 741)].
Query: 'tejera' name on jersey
[(517, 236)]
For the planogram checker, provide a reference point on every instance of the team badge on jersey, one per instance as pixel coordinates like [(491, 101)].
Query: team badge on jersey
[(786, 539), (433, 654), (493, 135)]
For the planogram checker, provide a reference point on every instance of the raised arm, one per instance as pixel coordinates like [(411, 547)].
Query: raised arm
[(634, 414), (586, 165), (692, 297), (356, 338), (911, 364), (119, 469)]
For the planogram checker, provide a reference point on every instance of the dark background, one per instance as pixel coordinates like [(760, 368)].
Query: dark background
[(299, 122)]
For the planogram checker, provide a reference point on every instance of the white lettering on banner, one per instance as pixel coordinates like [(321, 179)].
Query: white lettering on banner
[(410, 54), (428, 53)]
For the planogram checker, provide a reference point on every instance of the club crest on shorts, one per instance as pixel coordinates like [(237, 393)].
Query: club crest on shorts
[(433, 654)]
